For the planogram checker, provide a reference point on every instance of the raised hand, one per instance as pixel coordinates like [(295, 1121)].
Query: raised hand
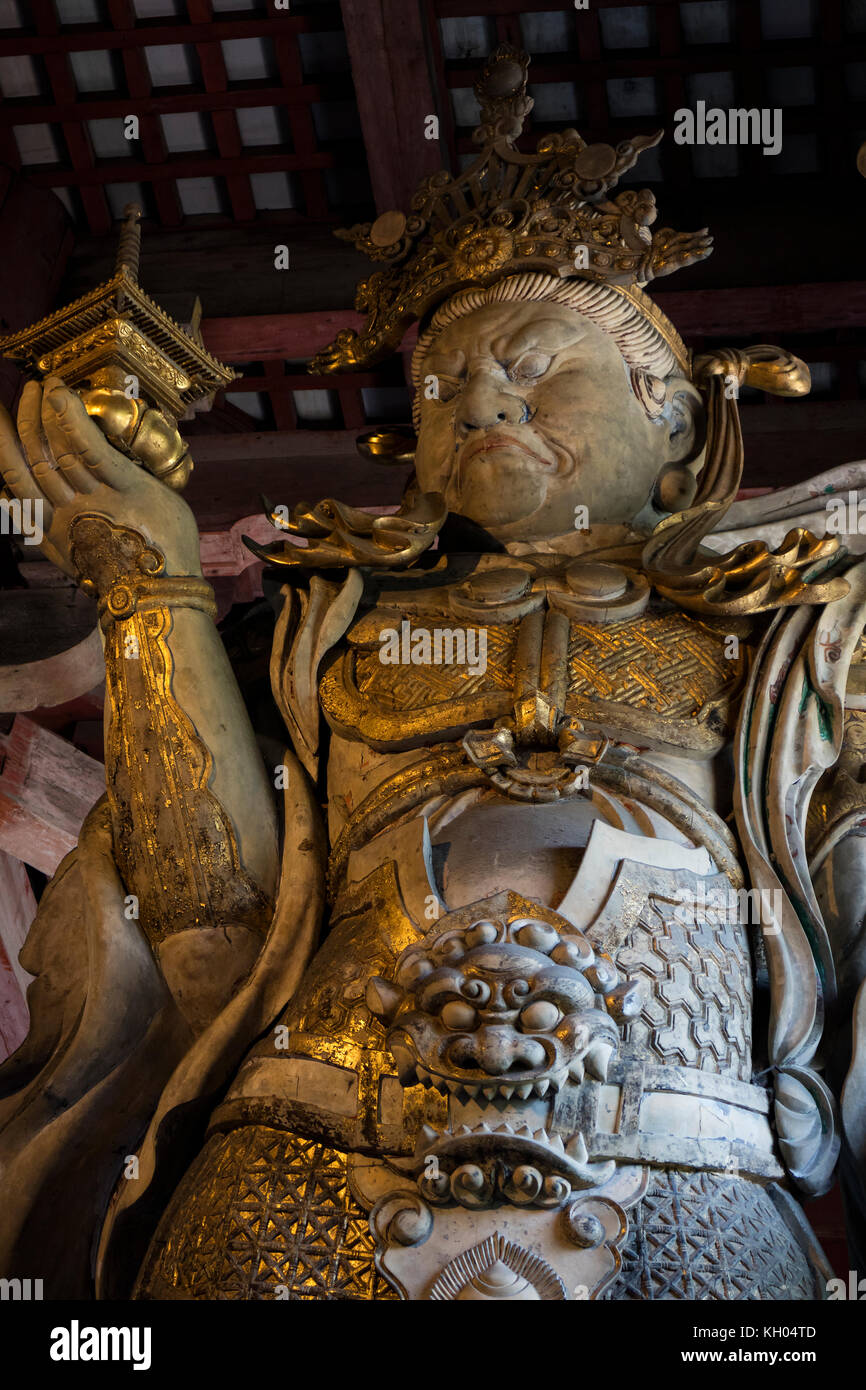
[(61, 459)]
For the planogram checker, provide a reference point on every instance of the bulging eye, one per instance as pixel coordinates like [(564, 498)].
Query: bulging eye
[(458, 1015), (529, 366), (539, 1017)]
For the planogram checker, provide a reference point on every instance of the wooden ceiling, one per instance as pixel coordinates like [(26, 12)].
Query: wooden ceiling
[(260, 125), (234, 107), (234, 91)]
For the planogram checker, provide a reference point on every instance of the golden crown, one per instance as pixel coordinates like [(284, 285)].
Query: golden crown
[(509, 212)]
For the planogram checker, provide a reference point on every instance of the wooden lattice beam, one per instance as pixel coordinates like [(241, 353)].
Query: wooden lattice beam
[(394, 94)]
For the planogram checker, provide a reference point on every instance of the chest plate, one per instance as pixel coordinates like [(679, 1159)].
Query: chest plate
[(663, 679)]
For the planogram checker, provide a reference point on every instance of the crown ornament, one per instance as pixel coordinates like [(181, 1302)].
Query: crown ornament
[(506, 213)]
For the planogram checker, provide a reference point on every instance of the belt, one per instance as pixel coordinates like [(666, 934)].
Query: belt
[(665, 1116), (673, 1116)]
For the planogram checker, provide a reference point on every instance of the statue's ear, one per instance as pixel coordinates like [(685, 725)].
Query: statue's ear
[(685, 420), (675, 488)]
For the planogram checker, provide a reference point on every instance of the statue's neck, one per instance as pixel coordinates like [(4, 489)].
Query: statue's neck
[(577, 542)]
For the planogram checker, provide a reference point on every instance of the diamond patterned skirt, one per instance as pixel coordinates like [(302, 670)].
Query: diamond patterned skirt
[(709, 1236), (262, 1214)]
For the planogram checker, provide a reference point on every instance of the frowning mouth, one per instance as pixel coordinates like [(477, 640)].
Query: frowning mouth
[(500, 440)]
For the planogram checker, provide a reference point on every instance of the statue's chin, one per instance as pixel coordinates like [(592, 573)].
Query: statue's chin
[(514, 512), (549, 521), (504, 496)]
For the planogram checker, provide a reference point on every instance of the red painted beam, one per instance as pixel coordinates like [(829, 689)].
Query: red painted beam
[(47, 788), (300, 118), (93, 198), (166, 104), (45, 16), (153, 145), (778, 309), (279, 389), (261, 336), (305, 381), (558, 67), (465, 7), (121, 13), (225, 124), (458, 8)]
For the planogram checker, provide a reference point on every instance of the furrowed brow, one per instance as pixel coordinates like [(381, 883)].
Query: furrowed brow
[(550, 335), (448, 363)]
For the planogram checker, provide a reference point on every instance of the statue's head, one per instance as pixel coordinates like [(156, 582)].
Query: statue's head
[(541, 405), (545, 378)]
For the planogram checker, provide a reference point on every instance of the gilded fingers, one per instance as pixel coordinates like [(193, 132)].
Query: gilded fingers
[(82, 453)]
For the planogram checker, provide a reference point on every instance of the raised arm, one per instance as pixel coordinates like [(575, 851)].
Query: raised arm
[(192, 808)]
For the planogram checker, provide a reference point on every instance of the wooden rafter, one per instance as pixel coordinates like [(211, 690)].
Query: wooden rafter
[(394, 94)]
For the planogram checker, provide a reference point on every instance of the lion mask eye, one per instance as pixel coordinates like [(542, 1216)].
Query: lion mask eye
[(540, 1016), (458, 1015)]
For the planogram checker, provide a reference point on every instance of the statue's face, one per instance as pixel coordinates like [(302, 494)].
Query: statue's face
[(536, 416)]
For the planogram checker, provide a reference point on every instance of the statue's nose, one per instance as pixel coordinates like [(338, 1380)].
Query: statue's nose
[(486, 401), (498, 1050)]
